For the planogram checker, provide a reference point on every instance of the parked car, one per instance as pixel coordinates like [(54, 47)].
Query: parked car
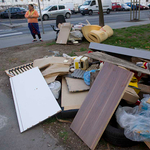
[(129, 4), (125, 7), (15, 12), (148, 6), (54, 10), (91, 6), (116, 6)]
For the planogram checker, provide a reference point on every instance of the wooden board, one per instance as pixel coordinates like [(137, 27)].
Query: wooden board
[(100, 103), (76, 85), (145, 54), (34, 101), (71, 100), (117, 61), (148, 144)]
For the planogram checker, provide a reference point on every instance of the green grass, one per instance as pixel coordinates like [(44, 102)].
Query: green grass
[(72, 53), (63, 134), (131, 37), (49, 44), (83, 49), (50, 120)]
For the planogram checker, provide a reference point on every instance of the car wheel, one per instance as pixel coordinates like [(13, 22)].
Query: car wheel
[(45, 17), (83, 14), (115, 135), (123, 9), (115, 9), (90, 12), (108, 11), (67, 15)]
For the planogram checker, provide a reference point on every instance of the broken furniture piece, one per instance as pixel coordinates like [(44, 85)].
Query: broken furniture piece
[(100, 103), (34, 101), (18, 70), (63, 34)]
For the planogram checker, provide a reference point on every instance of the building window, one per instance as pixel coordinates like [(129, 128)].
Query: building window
[(15, 0), (31, 0), (3, 1)]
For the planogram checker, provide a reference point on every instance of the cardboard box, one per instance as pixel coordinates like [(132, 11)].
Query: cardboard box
[(130, 95)]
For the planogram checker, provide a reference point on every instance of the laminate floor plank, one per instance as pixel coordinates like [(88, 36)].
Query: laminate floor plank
[(100, 103)]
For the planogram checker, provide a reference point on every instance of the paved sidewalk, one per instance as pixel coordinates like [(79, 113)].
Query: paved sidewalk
[(10, 136), (26, 38)]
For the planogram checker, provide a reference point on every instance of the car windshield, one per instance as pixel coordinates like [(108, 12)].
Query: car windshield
[(22, 9), (86, 3), (47, 8)]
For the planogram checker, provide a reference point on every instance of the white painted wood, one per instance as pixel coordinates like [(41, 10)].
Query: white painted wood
[(34, 101)]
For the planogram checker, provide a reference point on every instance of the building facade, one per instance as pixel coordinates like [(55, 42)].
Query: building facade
[(45, 3)]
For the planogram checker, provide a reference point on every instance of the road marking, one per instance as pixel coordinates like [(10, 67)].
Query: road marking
[(3, 35), (3, 121)]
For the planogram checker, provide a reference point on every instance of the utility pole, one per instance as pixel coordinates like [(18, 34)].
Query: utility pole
[(41, 16), (101, 15), (9, 15)]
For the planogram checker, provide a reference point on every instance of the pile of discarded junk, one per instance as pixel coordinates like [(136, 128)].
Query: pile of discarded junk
[(106, 90), (67, 32)]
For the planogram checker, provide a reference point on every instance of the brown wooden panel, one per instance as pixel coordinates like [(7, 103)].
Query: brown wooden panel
[(100, 103), (117, 61)]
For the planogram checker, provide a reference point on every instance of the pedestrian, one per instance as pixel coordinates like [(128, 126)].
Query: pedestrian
[(32, 16)]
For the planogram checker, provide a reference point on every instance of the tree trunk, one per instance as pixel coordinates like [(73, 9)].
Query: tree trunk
[(101, 15)]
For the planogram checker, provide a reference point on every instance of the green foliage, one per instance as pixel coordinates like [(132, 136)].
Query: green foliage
[(131, 37)]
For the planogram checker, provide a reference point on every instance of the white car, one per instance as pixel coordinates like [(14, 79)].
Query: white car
[(54, 10), (125, 7)]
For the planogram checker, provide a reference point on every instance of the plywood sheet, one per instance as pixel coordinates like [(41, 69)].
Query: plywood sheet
[(71, 100), (76, 85), (120, 50), (100, 103), (117, 61), (34, 101)]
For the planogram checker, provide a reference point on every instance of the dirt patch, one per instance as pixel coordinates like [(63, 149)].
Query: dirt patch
[(18, 55)]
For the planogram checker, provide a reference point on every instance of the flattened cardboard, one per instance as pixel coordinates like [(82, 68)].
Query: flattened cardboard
[(71, 100), (45, 62), (56, 68), (76, 85), (64, 33)]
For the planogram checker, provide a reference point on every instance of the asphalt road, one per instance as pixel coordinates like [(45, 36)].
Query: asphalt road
[(109, 18)]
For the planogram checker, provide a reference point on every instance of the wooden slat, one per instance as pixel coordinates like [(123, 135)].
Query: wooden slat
[(100, 103), (120, 50), (117, 61)]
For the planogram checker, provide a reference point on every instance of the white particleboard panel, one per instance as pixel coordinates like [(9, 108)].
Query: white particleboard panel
[(34, 101)]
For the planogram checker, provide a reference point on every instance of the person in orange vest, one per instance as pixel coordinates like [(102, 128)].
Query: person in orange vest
[(32, 16)]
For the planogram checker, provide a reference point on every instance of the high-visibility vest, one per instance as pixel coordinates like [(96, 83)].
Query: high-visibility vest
[(31, 13)]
